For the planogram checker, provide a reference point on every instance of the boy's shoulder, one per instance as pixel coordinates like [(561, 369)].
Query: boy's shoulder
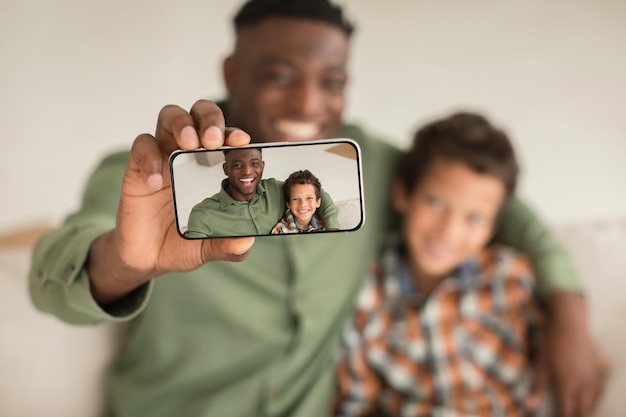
[(498, 262)]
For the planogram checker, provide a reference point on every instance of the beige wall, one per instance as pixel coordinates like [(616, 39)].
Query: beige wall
[(82, 78)]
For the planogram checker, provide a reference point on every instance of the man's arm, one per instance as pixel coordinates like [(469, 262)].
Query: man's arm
[(572, 359), (523, 230), (328, 212), (109, 252)]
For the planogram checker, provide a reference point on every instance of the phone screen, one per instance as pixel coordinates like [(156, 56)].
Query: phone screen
[(268, 189)]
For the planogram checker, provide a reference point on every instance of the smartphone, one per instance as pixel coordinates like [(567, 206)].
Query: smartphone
[(268, 189)]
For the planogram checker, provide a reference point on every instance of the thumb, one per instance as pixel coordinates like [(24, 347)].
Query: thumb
[(228, 249)]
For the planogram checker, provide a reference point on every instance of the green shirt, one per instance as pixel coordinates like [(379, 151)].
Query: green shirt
[(254, 338), (222, 215)]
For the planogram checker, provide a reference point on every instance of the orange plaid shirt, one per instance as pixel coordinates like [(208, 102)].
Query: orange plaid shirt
[(462, 350)]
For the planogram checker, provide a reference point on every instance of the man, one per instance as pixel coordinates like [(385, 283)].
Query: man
[(246, 205), (254, 337)]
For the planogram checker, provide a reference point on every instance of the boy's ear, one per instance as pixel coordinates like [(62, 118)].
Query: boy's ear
[(229, 72), (399, 196)]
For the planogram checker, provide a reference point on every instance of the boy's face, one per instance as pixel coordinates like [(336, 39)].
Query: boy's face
[(303, 203), (286, 80), (448, 217), (244, 169)]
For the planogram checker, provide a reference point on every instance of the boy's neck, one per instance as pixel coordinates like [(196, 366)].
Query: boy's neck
[(425, 283)]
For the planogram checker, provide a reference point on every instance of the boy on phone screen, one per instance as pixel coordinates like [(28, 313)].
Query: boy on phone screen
[(302, 197)]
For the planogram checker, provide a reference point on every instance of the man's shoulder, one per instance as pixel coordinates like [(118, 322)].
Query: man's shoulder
[(212, 203), (365, 138), (119, 157)]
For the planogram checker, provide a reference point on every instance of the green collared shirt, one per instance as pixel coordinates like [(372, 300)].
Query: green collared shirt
[(222, 215), (254, 338)]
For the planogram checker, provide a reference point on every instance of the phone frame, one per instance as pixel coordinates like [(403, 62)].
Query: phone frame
[(269, 145)]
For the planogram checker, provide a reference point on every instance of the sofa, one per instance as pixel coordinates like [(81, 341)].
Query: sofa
[(48, 368)]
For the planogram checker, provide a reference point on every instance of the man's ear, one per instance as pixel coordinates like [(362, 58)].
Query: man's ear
[(225, 169), (399, 196), (229, 72)]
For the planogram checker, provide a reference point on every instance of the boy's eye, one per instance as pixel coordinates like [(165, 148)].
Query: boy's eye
[(436, 203), (476, 219)]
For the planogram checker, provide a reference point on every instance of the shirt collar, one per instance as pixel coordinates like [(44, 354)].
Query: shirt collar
[(400, 281), (292, 220), (226, 200)]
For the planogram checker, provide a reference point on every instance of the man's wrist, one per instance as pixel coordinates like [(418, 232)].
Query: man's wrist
[(110, 278), (567, 307)]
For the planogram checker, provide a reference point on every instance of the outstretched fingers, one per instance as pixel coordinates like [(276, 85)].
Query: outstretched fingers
[(147, 160)]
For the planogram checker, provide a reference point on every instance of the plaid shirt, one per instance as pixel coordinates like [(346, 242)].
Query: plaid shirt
[(463, 350), (289, 224)]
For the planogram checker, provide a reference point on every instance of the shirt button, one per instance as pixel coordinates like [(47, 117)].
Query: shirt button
[(274, 393), (297, 297), (69, 271), (39, 275), (295, 343)]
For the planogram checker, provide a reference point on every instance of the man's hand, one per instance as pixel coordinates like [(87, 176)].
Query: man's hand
[(145, 242), (570, 358)]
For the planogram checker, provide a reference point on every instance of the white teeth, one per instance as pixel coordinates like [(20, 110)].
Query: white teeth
[(246, 180), (301, 130)]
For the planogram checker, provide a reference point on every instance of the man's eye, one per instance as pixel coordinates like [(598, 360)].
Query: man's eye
[(279, 78), (335, 85)]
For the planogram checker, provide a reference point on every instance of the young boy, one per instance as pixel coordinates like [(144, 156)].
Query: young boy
[(302, 192), (445, 325)]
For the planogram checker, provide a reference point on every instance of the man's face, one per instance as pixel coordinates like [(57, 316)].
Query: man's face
[(286, 80), (303, 203), (448, 217), (244, 169)]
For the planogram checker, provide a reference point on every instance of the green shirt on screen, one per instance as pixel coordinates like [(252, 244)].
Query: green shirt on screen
[(221, 215)]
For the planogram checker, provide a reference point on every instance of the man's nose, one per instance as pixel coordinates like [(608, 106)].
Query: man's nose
[(307, 98)]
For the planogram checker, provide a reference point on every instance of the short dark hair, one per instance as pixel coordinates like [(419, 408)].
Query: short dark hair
[(227, 151), (302, 177), (461, 137), (254, 11)]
